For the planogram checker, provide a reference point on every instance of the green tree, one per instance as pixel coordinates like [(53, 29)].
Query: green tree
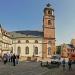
[(58, 49)]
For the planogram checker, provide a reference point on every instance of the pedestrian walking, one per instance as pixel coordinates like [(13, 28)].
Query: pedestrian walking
[(70, 64), (41, 64), (5, 58), (13, 59), (9, 57), (47, 63), (17, 59), (63, 63)]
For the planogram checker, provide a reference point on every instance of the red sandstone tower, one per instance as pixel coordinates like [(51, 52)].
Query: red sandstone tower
[(48, 32)]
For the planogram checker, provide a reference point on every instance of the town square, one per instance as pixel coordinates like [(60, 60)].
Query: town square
[(37, 37), (33, 68)]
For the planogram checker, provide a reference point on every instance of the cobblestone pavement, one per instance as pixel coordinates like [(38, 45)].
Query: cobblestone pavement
[(32, 68)]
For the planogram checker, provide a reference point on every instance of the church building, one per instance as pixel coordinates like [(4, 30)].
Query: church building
[(29, 44)]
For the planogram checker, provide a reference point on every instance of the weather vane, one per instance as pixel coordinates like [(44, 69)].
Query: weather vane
[(48, 5)]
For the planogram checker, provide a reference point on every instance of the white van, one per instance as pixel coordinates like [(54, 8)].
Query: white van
[(56, 59)]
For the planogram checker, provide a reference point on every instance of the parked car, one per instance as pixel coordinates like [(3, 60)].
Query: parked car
[(56, 59)]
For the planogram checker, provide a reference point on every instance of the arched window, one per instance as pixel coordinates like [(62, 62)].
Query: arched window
[(27, 50), (36, 41), (49, 22), (19, 41), (49, 12), (11, 50), (49, 42), (19, 50), (27, 41), (49, 50), (36, 50)]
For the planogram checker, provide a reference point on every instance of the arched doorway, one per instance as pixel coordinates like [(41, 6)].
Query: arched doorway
[(18, 50), (11, 50), (49, 50), (36, 51)]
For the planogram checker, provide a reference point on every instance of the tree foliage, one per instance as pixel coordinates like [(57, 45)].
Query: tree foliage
[(58, 49)]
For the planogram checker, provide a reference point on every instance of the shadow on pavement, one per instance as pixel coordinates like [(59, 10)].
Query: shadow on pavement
[(51, 66)]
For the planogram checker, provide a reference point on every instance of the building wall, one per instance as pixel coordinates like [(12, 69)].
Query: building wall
[(5, 41), (73, 42), (31, 46), (64, 52)]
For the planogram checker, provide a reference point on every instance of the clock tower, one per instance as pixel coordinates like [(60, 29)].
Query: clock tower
[(48, 32)]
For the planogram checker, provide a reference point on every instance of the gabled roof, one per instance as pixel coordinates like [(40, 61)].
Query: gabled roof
[(70, 46), (27, 33)]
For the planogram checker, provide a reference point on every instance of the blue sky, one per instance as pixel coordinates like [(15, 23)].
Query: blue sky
[(28, 14)]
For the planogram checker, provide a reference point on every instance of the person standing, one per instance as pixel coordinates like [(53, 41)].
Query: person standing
[(5, 58), (47, 63), (70, 64), (9, 57), (17, 59), (13, 59), (63, 63), (41, 64)]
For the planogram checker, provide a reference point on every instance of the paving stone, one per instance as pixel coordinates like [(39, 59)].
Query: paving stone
[(33, 68)]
